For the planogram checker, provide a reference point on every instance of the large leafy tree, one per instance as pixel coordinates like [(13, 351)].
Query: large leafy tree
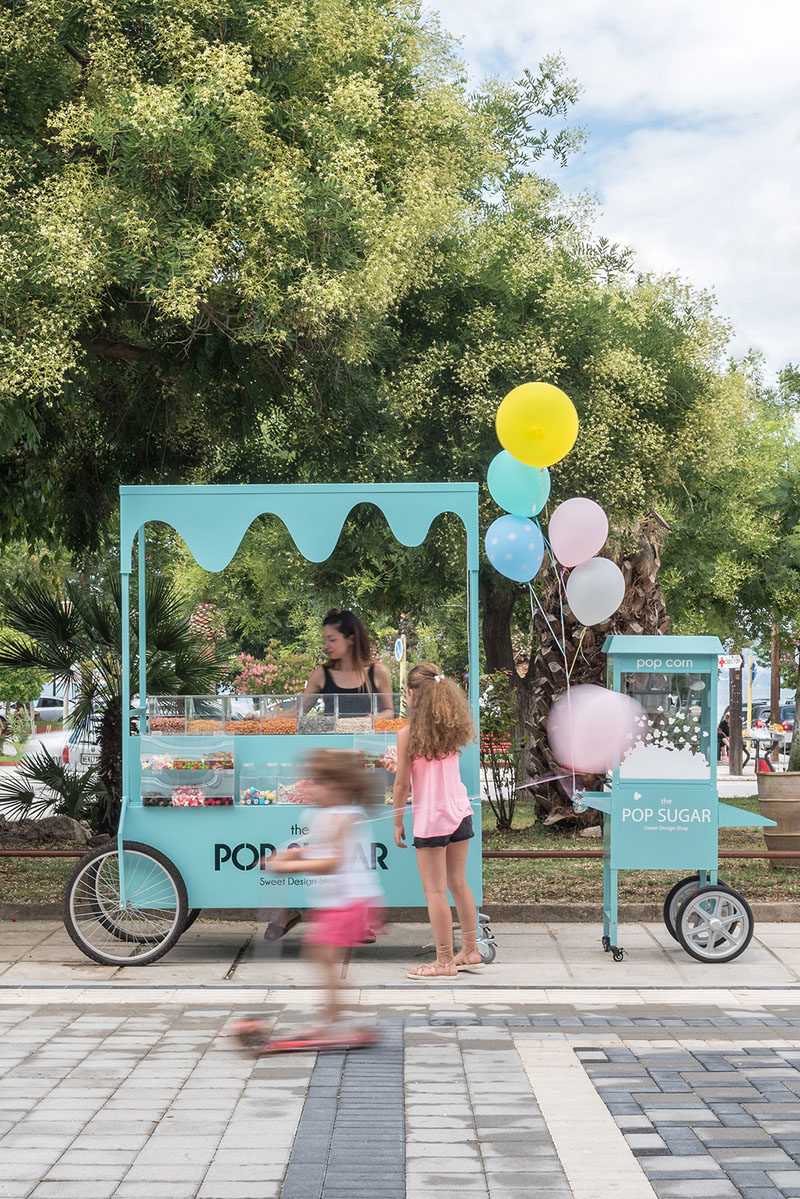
[(675, 443), (204, 217)]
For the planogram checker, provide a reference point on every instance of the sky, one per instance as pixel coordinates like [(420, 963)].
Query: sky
[(692, 108)]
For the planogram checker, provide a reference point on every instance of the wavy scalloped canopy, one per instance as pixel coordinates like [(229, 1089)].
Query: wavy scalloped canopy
[(213, 520)]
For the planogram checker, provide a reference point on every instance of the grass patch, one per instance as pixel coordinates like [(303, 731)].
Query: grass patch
[(557, 880), (33, 880), (566, 880), (15, 758)]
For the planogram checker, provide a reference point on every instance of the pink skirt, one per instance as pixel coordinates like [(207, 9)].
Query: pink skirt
[(345, 927)]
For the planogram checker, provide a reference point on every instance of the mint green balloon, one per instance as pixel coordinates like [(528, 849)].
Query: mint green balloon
[(517, 488)]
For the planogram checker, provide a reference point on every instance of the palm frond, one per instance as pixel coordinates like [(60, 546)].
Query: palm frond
[(44, 785), (197, 671), (100, 612), (45, 616), (167, 619)]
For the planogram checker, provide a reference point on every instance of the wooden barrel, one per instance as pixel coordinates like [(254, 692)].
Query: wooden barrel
[(779, 800)]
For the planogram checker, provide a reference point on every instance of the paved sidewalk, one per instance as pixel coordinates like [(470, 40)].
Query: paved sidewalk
[(529, 955), (554, 1073), (139, 1100)]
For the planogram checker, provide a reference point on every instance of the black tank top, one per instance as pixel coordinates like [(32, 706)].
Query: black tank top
[(353, 701)]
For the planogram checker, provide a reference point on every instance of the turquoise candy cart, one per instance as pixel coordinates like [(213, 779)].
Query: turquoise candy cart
[(661, 807), (214, 784)]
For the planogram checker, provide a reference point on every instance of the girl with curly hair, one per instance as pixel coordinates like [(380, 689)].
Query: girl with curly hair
[(439, 724)]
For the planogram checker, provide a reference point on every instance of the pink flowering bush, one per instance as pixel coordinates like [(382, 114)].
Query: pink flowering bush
[(283, 671)]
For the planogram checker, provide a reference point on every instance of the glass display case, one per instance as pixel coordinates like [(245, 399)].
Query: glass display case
[(179, 773), (206, 769), (274, 715), (675, 734)]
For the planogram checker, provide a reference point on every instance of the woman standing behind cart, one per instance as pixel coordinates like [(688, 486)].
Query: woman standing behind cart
[(440, 723), (350, 673)]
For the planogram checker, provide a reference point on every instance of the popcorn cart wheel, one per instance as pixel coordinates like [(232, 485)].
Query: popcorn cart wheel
[(681, 891), (715, 924), (146, 926)]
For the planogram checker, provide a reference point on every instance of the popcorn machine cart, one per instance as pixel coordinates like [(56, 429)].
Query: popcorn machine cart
[(213, 784), (661, 808)]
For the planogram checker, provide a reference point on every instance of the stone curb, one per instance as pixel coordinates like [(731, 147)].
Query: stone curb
[(518, 913)]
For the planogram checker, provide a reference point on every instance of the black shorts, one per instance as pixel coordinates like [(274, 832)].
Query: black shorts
[(462, 833)]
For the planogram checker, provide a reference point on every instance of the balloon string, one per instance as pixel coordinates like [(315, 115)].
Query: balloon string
[(562, 588), (547, 778), (546, 619), (578, 650), (553, 562)]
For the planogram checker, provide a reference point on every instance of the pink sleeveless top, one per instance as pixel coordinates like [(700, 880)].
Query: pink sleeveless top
[(439, 799)]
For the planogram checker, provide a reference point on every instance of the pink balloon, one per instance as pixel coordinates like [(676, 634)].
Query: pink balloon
[(591, 727), (578, 530)]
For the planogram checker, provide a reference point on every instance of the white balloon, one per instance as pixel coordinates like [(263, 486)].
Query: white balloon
[(595, 590)]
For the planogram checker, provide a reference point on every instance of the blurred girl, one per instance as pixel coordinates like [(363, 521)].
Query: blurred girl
[(346, 898), (427, 760)]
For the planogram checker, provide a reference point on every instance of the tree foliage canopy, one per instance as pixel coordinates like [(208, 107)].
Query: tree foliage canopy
[(200, 210), (287, 243)]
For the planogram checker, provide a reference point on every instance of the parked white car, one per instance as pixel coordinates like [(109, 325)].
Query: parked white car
[(82, 749), (49, 709)]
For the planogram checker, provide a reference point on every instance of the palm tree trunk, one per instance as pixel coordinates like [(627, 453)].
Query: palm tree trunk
[(109, 767)]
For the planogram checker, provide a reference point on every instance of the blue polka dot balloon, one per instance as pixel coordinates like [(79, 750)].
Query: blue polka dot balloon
[(515, 547)]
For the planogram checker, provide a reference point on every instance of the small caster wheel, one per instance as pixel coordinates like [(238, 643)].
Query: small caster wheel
[(487, 950), (617, 954), (606, 944)]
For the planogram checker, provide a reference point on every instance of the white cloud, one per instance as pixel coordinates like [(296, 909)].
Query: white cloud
[(710, 204), (694, 122)]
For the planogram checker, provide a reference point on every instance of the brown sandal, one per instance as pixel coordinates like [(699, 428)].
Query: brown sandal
[(432, 972)]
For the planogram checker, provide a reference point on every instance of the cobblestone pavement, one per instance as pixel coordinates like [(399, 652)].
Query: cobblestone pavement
[(140, 1094), (706, 1122)]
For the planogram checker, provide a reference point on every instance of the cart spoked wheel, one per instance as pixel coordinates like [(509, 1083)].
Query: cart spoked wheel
[(190, 918), (682, 890), (715, 924), (146, 926), (106, 904)]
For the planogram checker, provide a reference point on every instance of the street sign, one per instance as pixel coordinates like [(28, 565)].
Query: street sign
[(399, 649), (730, 661)]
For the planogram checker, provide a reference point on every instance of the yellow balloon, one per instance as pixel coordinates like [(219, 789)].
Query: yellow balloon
[(537, 424)]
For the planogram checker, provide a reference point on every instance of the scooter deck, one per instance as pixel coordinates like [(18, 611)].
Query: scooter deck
[(254, 1035), (316, 1044)]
